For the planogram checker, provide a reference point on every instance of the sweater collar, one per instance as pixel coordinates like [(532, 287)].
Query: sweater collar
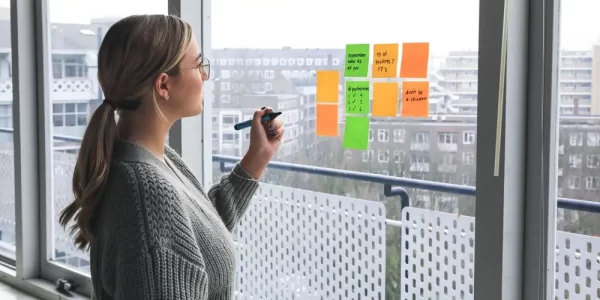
[(125, 151)]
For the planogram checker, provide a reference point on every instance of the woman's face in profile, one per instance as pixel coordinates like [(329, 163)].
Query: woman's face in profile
[(187, 92)]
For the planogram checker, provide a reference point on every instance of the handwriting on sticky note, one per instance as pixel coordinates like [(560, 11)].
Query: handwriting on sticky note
[(385, 60), (357, 97), (385, 99), (327, 86), (356, 133), (415, 60), (357, 60), (327, 120), (415, 99)]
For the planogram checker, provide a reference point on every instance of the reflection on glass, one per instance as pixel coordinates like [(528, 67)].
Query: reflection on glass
[(7, 165), (75, 94), (272, 60)]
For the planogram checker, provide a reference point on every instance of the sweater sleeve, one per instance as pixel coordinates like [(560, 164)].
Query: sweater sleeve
[(160, 275), (232, 195)]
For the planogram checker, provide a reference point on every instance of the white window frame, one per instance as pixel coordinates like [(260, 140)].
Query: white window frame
[(383, 135), (399, 135), (469, 137)]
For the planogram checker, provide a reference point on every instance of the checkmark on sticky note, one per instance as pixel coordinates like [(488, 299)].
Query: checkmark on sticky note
[(357, 97), (356, 133)]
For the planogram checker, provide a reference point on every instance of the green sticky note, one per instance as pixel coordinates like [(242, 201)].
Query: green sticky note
[(357, 97), (357, 60), (356, 133)]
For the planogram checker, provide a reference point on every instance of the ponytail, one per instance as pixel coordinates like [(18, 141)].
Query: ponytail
[(91, 173)]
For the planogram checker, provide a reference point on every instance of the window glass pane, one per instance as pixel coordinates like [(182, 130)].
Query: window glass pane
[(578, 100), (75, 44), (7, 165), (432, 149)]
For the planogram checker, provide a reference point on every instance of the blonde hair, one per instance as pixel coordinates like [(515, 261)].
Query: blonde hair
[(133, 53)]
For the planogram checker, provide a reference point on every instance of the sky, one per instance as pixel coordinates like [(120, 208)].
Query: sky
[(447, 25)]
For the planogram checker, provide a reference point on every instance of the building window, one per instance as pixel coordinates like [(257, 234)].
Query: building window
[(6, 116), (593, 139), (593, 161), (269, 74), (383, 156), (370, 135), (468, 158), (383, 135), (449, 160), (575, 160), (336, 62), (398, 156), (419, 159), (70, 114), (317, 62), (231, 119), (301, 61), (421, 138), (367, 155), (466, 179), (591, 183), (225, 86), (69, 66), (399, 135), (574, 182), (348, 155), (274, 61), (576, 139), (468, 137), (446, 138), (268, 86)]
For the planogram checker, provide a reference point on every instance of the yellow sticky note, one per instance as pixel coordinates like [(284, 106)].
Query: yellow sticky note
[(415, 59), (385, 60), (385, 99), (415, 99), (327, 120), (327, 86)]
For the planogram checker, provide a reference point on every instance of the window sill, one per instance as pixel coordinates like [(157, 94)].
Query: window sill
[(40, 288)]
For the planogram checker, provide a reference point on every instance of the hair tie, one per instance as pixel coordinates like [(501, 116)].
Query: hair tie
[(112, 105)]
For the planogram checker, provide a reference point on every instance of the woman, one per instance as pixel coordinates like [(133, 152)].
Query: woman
[(152, 231)]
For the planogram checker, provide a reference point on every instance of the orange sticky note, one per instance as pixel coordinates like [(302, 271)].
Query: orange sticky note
[(385, 60), (327, 120), (385, 99), (327, 86), (415, 99), (415, 58)]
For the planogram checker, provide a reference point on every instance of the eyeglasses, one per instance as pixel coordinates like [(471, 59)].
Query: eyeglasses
[(204, 67)]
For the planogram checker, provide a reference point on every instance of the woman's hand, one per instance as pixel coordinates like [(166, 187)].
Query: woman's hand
[(265, 139)]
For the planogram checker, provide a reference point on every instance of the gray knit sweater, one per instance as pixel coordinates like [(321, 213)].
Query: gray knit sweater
[(158, 235)]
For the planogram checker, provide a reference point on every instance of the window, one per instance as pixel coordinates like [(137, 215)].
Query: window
[(449, 160), (593, 160), (591, 183), (468, 137), (421, 138), (446, 138), (466, 179), (70, 114), (5, 119), (468, 158), (399, 135), (230, 119), (69, 66), (383, 156), (383, 135), (575, 160), (370, 135), (367, 156), (398, 156), (574, 183), (576, 139), (593, 139)]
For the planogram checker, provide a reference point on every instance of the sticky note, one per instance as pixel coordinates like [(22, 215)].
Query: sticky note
[(327, 86), (357, 60), (385, 60), (357, 97), (327, 120), (415, 99), (415, 58), (356, 133), (385, 99)]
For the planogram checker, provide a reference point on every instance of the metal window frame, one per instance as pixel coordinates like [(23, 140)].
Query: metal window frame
[(191, 137), (513, 209)]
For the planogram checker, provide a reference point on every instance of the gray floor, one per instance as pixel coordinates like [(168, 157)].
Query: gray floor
[(9, 293)]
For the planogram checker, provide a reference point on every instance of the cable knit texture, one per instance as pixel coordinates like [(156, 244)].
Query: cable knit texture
[(158, 235)]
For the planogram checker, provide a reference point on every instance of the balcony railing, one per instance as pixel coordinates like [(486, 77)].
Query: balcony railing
[(67, 89), (309, 245)]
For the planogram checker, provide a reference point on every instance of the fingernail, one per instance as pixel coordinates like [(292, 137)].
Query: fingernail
[(263, 107), (271, 126)]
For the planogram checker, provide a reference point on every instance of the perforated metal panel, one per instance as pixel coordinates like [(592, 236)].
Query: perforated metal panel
[(577, 266), (297, 244), (437, 255)]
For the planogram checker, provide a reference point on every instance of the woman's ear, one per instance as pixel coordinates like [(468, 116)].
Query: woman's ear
[(161, 85)]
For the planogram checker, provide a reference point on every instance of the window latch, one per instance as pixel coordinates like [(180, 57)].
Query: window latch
[(66, 285)]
